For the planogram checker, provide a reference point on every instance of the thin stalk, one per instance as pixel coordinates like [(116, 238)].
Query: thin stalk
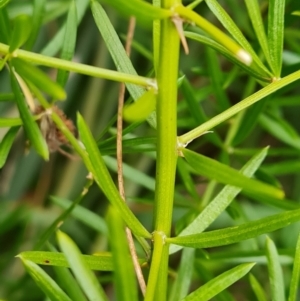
[(129, 236), (166, 109), (48, 61), (242, 105)]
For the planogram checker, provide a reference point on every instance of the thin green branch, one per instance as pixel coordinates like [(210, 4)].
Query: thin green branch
[(242, 105), (79, 68)]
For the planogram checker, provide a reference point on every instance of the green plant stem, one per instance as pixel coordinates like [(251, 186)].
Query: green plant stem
[(39, 59), (156, 262), (166, 109)]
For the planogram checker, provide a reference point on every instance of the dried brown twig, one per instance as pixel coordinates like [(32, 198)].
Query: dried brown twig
[(136, 264)]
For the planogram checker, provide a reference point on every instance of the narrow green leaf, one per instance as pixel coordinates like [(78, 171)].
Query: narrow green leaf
[(183, 280), (257, 288), (238, 233), (45, 282), (258, 25), (100, 262), (124, 276), (296, 274), (6, 143), (143, 11), (68, 47), (5, 31), (20, 32), (31, 128), (37, 20), (38, 78), (86, 278), (86, 216), (221, 201), (234, 30), (142, 108), (219, 283), (275, 272), (97, 167), (276, 33), (117, 51), (215, 170), (280, 129)]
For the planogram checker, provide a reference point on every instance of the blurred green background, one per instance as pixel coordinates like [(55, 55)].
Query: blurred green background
[(26, 181)]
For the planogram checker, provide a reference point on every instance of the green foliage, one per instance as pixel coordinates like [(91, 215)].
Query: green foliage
[(210, 150)]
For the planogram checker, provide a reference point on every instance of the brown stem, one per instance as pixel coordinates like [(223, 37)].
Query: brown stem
[(129, 236)]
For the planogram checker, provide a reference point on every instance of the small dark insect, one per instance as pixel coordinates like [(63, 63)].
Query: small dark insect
[(53, 136)]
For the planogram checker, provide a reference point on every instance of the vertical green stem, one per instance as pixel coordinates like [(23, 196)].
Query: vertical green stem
[(167, 73)]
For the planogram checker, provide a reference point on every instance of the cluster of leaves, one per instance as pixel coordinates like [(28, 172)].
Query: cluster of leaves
[(251, 84)]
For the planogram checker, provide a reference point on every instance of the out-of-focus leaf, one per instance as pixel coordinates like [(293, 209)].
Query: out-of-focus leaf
[(238, 233), (219, 283), (56, 42), (184, 276), (249, 122), (125, 279), (294, 284), (216, 78), (31, 128), (86, 216), (37, 19), (68, 47), (142, 108), (100, 262), (87, 280), (280, 129), (3, 3), (258, 290), (275, 272), (6, 143), (8, 122), (44, 281), (38, 78), (20, 32), (5, 31), (132, 173), (215, 170), (143, 11), (283, 168)]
